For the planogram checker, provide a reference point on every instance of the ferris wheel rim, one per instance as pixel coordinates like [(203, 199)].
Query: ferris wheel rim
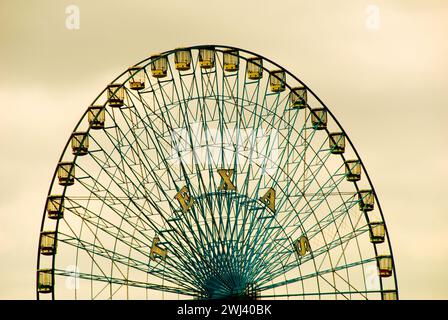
[(221, 48)]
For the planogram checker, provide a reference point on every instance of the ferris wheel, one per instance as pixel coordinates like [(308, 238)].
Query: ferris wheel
[(212, 172)]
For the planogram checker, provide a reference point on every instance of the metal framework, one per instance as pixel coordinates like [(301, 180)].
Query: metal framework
[(212, 172)]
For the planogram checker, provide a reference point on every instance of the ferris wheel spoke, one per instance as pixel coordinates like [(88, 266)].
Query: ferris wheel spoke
[(156, 180), (337, 292), (248, 120), (90, 248), (251, 230), (245, 217), (253, 142), (176, 276), (316, 274), (98, 249), (270, 115), (185, 173), (332, 285), (350, 286), (105, 225), (331, 216), (208, 93), (268, 234), (212, 181), (274, 179), (320, 293), (223, 135), (194, 134), (314, 166), (329, 185), (156, 228), (314, 254), (259, 180), (98, 188), (127, 282), (230, 95), (141, 148), (344, 244), (330, 245), (113, 203), (140, 246), (343, 252)]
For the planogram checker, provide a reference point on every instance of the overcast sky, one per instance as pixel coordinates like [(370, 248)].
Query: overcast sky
[(384, 79)]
